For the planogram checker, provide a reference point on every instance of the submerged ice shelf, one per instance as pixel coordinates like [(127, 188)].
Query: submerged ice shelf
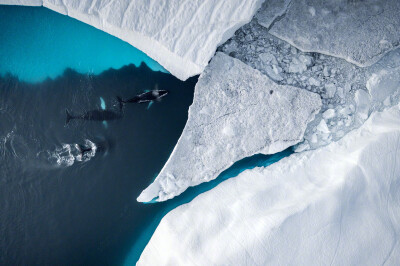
[(337, 205), (237, 112), (57, 42), (180, 35)]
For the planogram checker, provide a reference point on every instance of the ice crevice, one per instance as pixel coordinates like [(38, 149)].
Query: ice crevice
[(223, 127)]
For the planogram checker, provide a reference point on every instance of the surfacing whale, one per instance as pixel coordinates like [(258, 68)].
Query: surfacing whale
[(146, 97), (99, 146)]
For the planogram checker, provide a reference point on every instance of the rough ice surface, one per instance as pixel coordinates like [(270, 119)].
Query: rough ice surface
[(237, 112), (337, 81), (358, 31), (338, 205), (180, 35), (22, 2), (271, 11)]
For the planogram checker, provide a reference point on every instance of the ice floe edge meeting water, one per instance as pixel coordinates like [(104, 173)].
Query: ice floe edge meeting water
[(181, 36), (338, 204), (236, 112), (342, 194)]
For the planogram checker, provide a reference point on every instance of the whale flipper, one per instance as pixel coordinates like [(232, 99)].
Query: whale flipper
[(150, 104), (102, 103), (69, 116), (120, 102)]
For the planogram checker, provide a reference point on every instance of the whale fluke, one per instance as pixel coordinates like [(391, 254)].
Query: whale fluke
[(69, 116)]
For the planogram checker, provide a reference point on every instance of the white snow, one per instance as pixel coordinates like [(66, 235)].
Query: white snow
[(22, 2), (322, 127), (359, 31), (338, 205), (237, 112), (328, 114), (300, 64), (180, 35), (363, 101), (383, 84)]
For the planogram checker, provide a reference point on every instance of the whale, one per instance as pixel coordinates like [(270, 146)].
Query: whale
[(94, 115), (145, 97), (83, 149), (99, 146)]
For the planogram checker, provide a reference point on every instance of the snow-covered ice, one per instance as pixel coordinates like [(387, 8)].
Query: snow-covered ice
[(358, 31), (338, 82), (22, 2), (271, 11), (237, 112), (338, 205), (180, 35)]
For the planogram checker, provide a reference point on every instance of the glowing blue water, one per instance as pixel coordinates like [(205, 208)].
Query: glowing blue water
[(37, 43), (258, 160)]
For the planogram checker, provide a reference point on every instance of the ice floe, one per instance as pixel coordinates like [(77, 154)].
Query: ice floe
[(338, 205), (341, 85), (358, 31), (237, 112)]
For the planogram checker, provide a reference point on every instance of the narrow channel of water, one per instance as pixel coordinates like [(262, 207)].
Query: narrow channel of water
[(148, 230)]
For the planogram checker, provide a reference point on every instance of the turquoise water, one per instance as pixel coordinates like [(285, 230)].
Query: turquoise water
[(37, 43), (109, 226), (258, 160)]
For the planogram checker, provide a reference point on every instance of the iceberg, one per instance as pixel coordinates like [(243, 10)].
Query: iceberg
[(180, 35), (236, 112), (337, 205), (360, 32)]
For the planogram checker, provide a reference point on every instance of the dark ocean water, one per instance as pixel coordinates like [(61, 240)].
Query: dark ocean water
[(81, 212), (57, 207)]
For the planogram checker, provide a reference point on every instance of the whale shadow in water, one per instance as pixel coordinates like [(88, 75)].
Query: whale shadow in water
[(95, 115), (86, 213)]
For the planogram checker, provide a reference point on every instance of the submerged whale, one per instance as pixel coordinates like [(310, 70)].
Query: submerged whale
[(146, 97), (95, 115)]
